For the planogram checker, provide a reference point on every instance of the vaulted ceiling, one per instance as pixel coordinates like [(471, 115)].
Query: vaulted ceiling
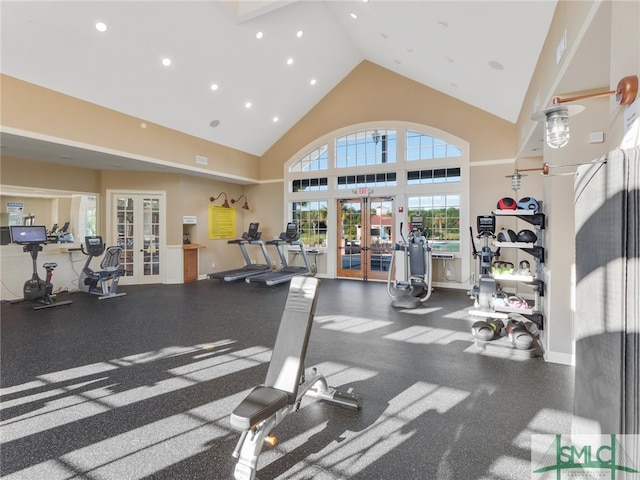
[(481, 52)]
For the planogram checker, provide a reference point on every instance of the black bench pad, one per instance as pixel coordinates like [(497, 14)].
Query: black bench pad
[(259, 405)]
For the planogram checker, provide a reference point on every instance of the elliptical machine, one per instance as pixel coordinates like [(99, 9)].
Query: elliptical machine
[(415, 288), (32, 238), (486, 287), (88, 280)]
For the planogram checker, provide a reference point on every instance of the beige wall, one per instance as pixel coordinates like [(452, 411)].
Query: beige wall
[(31, 108), (185, 195), (372, 93), (29, 173)]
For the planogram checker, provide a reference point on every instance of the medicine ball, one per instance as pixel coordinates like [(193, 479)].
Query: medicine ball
[(528, 203), (507, 235), (507, 203), (527, 236)]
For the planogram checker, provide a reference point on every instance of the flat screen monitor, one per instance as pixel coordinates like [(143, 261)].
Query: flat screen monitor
[(28, 234)]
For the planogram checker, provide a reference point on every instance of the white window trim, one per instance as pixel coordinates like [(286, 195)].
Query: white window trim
[(401, 191)]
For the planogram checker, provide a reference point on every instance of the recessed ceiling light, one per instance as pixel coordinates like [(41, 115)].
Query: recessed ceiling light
[(299, 33), (275, 119), (166, 61), (214, 123), (289, 61), (313, 81), (354, 16), (101, 27), (496, 65), (259, 35), (442, 24), (214, 86), (247, 105)]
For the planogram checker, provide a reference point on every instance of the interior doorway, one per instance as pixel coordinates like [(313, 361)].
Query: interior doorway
[(365, 227), (138, 226)]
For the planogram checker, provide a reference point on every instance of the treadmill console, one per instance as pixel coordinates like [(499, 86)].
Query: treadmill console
[(291, 234), (253, 233)]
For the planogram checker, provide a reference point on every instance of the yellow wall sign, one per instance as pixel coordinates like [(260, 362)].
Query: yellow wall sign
[(222, 222)]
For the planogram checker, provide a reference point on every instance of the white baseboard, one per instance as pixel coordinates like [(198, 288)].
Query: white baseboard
[(560, 358)]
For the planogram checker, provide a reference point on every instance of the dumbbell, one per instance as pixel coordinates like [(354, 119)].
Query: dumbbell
[(518, 335)]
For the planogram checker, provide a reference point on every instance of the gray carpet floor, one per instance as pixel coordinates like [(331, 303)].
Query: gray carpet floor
[(142, 386)]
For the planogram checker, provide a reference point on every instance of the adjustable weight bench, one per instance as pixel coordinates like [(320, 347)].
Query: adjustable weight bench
[(285, 385)]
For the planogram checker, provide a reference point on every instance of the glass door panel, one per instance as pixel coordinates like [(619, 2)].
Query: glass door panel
[(138, 227), (350, 262), (380, 237), (125, 233)]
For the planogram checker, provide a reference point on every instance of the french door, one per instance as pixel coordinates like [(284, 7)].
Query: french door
[(138, 227), (365, 226)]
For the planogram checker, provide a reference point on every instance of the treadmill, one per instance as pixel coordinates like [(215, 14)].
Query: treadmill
[(251, 237), (290, 237)]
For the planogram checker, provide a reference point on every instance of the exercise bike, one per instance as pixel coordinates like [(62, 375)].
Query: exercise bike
[(415, 288), (97, 283), (35, 289)]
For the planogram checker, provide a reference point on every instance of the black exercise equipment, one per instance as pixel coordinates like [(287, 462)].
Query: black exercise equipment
[(507, 235), (290, 237), (486, 287), (286, 382), (104, 282), (32, 238), (526, 236), (250, 237), (415, 288), (63, 235)]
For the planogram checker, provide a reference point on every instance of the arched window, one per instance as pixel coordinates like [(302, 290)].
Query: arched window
[(424, 170), (421, 146)]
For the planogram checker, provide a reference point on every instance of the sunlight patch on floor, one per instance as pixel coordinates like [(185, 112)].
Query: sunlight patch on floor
[(347, 323)]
